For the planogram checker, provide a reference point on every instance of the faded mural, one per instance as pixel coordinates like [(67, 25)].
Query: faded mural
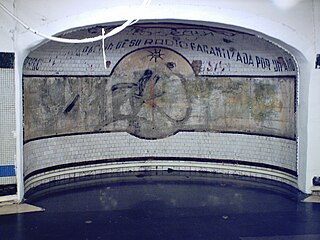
[(155, 92)]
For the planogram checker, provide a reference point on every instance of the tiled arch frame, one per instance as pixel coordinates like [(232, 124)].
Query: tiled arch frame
[(74, 146)]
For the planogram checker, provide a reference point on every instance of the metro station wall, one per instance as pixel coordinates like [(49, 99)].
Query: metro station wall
[(158, 82), (7, 124)]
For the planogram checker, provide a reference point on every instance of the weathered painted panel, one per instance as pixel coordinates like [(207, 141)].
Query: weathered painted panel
[(154, 93)]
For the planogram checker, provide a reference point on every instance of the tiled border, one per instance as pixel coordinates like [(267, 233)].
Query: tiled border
[(137, 166), (8, 120)]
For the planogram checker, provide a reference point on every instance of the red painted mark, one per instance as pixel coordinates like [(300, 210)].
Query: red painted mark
[(151, 103)]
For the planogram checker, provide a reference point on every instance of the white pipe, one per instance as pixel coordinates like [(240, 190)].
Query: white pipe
[(85, 40), (103, 49)]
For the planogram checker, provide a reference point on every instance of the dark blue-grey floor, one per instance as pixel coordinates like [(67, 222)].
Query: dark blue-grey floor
[(166, 206)]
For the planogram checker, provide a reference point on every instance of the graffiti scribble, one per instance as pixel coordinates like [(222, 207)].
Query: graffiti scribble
[(71, 104)]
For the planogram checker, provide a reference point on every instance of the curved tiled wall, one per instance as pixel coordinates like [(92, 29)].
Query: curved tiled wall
[(184, 151), (181, 97)]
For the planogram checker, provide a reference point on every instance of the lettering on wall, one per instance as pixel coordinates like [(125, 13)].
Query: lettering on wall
[(221, 51), (33, 64)]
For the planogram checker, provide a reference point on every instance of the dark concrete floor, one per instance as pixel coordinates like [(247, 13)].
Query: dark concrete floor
[(166, 205)]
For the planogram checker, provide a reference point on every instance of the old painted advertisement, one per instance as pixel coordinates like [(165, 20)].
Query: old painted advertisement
[(154, 92)]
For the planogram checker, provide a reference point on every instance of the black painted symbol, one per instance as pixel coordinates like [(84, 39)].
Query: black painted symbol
[(155, 54), (170, 65), (227, 40), (108, 63)]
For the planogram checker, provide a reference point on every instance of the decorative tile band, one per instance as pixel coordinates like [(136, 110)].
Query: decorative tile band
[(154, 165), (6, 60), (7, 171)]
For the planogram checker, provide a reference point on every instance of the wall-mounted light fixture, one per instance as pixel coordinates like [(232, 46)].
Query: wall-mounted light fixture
[(316, 181), (318, 61)]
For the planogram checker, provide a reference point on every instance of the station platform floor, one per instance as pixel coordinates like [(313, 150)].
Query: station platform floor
[(165, 205)]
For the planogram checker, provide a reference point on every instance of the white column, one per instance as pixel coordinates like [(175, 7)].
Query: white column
[(313, 152), (313, 160), (19, 125)]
